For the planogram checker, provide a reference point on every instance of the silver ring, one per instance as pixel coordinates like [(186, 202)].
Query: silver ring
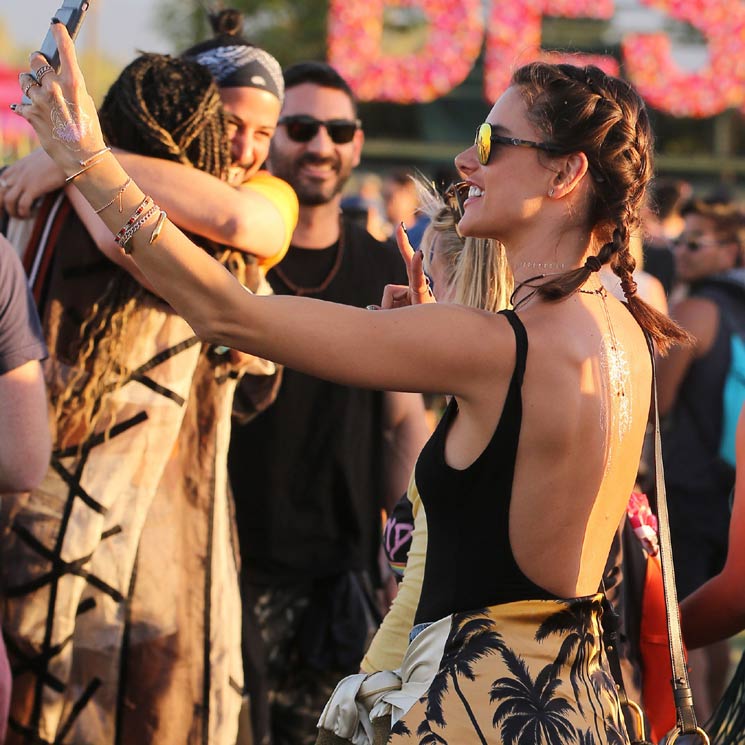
[(42, 71)]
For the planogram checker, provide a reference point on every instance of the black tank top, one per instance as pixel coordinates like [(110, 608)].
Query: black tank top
[(469, 563)]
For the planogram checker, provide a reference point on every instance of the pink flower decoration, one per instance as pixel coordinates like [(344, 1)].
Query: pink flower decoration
[(456, 31), (643, 521)]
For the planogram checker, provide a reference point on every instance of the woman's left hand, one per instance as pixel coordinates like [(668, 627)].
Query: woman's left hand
[(61, 110), (417, 291)]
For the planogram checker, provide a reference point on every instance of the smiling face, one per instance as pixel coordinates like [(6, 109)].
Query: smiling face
[(508, 190), (711, 253), (318, 169), (252, 119)]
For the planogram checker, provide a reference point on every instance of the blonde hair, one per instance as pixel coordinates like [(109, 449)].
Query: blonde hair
[(477, 269)]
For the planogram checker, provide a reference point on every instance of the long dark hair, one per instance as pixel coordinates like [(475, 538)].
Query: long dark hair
[(163, 107), (581, 109)]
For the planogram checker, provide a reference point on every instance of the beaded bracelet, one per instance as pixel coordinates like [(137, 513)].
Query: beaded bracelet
[(119, 194), (140, 209), (131, 230), (94, 159)]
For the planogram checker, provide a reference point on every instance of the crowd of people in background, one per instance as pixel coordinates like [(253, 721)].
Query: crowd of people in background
[(190, 530)]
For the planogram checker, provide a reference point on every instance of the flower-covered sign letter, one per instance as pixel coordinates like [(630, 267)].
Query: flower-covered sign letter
[(455, 34), (705, 92)]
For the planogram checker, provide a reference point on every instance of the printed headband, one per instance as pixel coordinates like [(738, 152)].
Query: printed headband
[(242, 66)]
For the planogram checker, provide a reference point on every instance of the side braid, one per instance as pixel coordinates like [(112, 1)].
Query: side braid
[(581, 109)]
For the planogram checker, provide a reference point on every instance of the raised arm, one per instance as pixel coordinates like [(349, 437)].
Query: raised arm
[(257, 219), (103, 238), (394, 350), (243, 217)]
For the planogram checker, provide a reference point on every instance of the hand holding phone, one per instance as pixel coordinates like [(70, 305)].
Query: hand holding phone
[(71, 13)]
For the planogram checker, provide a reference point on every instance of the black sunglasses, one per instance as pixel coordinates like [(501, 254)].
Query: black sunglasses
[(484, 139), (694, 244), (302, 128)]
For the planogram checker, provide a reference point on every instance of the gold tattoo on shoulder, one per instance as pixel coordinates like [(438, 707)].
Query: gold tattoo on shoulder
[(70, 124)]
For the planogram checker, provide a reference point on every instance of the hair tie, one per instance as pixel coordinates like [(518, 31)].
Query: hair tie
[(593, 263), (628, 286)]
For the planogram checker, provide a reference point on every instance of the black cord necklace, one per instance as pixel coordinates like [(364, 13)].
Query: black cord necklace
[(301, 291), (525, 283)]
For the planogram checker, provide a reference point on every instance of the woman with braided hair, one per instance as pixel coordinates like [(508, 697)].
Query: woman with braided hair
[(527, 476), (123, 610)]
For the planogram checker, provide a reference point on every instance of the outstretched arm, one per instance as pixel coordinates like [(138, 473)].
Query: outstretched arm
[(247, 217), (103, 238), (427, 348)]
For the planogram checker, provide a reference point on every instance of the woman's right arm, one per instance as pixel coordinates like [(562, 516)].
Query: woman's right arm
[(717, 609), (427, 348)]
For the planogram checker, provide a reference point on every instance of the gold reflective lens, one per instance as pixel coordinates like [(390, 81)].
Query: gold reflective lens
[(483, 142)]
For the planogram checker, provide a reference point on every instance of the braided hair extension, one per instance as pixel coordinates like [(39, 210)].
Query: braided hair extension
[(581, 109), (168, 108), (163, 107)]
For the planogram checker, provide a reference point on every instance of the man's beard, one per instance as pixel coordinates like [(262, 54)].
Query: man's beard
[(309, 192)]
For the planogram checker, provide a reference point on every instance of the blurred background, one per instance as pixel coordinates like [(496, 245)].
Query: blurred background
[(704, 144)]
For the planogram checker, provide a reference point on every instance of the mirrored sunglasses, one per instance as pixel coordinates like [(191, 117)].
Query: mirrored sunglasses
[(303, 128), (485, 137)]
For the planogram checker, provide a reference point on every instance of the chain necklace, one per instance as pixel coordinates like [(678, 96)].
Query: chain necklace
[(301, 291)]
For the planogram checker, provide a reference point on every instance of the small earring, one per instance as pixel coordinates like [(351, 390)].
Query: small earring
[(551, 193)]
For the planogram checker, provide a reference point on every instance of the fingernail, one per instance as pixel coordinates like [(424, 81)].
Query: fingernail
[(56, 20), (13, 106), (403, 227)]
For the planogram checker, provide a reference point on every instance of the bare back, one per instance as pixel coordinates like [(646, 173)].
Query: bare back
[(586, 396)]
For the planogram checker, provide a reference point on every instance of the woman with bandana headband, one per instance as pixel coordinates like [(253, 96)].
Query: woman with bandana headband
[(121, 565)]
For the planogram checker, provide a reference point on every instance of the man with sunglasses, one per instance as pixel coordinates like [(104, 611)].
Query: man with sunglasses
[(701, 392), (312, 473)]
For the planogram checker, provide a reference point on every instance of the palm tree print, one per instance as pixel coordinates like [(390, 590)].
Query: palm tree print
[(614, 735), (427, 736), (575, 622), (615, 727), (472, 638), (400, 728), (530, 713)]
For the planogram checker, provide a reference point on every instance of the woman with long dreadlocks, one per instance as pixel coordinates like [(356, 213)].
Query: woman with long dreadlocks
[(115, 568)]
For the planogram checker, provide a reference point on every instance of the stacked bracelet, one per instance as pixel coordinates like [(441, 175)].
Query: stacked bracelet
[(94, 159), (119, 194), (146, 209)]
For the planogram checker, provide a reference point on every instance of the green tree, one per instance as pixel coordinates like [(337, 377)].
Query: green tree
[(290, 30)]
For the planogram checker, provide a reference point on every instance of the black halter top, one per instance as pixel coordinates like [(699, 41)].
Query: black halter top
[(469, 562)]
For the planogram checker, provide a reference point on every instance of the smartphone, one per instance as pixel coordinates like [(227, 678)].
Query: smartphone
[(71, 13)]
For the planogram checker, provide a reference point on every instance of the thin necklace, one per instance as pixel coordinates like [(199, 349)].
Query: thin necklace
[(599, 291), (299, 290)]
